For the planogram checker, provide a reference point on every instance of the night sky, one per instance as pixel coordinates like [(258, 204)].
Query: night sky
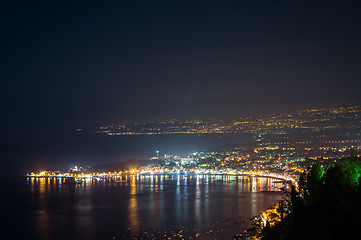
[(70, 65)]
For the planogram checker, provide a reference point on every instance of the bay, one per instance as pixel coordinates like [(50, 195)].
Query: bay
[(215, 206)]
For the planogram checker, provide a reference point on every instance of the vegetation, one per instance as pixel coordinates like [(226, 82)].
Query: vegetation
[(326, 205)]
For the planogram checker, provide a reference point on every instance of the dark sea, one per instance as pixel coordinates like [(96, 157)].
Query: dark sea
[(214, 206)]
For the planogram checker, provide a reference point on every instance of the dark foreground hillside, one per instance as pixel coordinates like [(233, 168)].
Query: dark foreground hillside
[(326, 205)]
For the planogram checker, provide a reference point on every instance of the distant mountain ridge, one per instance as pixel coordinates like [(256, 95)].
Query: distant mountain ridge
[(119, 166)]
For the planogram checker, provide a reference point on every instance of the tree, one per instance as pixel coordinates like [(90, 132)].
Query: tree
[(314, 182), (332, 207), (352, 170), (302, 183)]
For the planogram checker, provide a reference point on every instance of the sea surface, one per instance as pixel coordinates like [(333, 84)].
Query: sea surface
[(215, 206)]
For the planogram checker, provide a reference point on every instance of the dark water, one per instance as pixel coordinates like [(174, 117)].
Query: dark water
[(63, 151), (45, 208)]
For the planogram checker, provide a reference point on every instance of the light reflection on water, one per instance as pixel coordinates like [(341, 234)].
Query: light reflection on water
[(101, 209)]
